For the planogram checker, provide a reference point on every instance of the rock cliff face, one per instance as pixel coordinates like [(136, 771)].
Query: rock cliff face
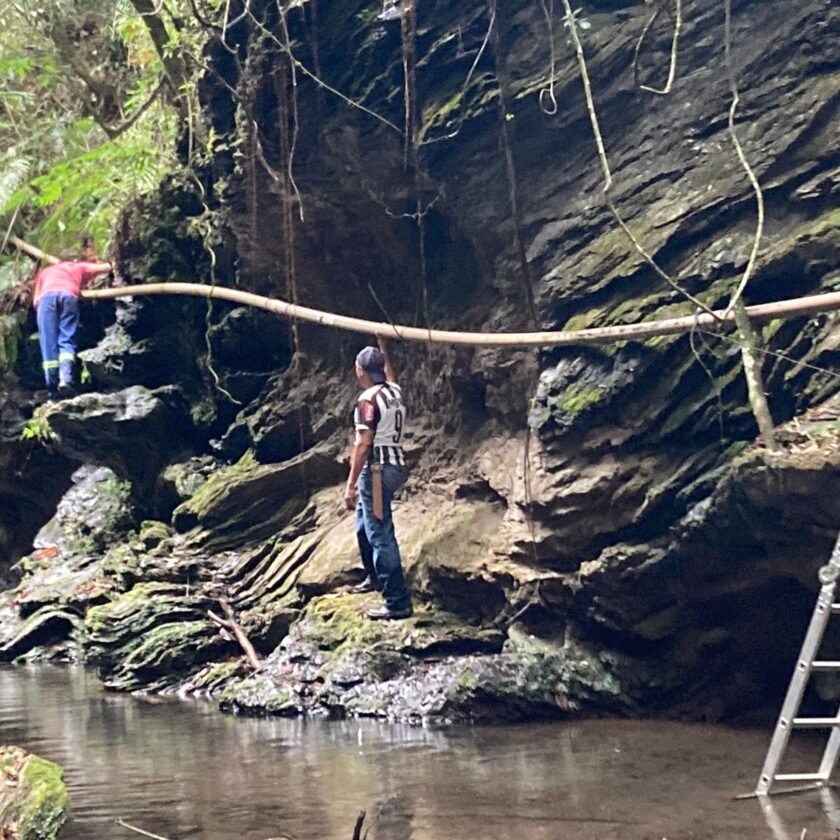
[(586, 529)]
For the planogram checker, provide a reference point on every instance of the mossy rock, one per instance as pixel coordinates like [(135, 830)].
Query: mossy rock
[(248, 501), (141, 607), (33, 798), (578, 397), (153, 635), (95, 513), (47, 626), (179, 482), (152, 533), (259, 695), (216, 675), (577, 386), (338, 623)]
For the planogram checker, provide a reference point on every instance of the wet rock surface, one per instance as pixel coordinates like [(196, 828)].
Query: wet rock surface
[(133, 431), (431, 666), (34, 478), (94, 514), (674, 625), (586, 529)]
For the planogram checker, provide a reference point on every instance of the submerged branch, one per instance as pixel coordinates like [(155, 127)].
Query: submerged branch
[(121, 822)]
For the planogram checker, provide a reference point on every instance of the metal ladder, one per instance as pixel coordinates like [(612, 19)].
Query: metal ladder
[(805, 666)]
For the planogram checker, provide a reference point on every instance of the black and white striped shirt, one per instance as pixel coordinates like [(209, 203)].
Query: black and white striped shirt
[(380, 409)]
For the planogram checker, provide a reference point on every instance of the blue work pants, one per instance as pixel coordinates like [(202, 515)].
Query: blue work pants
[(58, 320), (376, 537)]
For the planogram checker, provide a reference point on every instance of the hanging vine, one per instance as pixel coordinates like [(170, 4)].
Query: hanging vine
[(246, 143), (465, 87), (315, 77), (205, 226), (408, 34), (547, 93), (747, 336), (280, 81), (291, 140), (675, 40), (505, 117), (605, 165), (739, 149), (286, 91)]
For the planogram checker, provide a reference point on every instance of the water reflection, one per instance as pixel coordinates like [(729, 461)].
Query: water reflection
[(183, 770), (783, 831)]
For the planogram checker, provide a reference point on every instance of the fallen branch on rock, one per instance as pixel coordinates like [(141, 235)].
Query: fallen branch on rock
[(233, 627)]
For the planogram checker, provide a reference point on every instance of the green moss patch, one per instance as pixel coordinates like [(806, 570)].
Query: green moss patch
[(33, 798)]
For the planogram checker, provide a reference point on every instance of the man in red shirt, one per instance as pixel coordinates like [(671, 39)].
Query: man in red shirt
[(56, 299)]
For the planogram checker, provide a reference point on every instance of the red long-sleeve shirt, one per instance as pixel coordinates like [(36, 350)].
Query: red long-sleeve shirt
[(69, 277)]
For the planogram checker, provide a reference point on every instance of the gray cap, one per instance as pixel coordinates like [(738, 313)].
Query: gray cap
[(372, 362)]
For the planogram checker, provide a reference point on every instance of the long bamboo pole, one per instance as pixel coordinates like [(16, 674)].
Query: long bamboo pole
[(32, 250), (794, 308), (783, 309)]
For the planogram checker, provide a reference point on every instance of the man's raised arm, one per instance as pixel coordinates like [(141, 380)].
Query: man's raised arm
[(390, 374), (92, 269)]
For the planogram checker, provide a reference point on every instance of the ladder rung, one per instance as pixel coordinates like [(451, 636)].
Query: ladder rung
[(816, 723), (826, 665), (798, 777), (835, 608)]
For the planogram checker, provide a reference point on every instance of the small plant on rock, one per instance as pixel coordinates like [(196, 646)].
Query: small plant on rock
[(38, 428)]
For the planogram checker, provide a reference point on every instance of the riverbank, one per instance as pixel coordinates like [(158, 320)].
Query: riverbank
[(658, 629)]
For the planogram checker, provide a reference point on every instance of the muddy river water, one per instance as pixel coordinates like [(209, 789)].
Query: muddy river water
[(183, 770)]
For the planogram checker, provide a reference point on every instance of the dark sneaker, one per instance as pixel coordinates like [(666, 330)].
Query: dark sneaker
[(66, 389), (387, 614), (367, 585)]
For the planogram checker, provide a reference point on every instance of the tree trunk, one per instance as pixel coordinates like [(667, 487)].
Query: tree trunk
[(173, 65)]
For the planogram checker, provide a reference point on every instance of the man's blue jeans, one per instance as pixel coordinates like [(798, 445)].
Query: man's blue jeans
[(377, 541), (58, 320)]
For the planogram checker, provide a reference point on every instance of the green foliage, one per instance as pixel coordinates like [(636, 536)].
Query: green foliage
[(38, 427), (13, 173), (73, 77), (85, 192)]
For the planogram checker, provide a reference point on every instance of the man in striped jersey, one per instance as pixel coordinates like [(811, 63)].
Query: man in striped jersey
[(377, 471)]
